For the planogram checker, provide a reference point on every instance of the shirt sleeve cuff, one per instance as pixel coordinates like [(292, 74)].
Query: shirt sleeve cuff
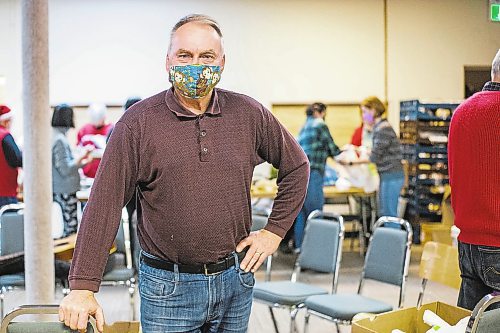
[(276, 229), (83, 284)]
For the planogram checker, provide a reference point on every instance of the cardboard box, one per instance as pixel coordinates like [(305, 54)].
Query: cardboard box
[(409, 320), (122, 327)]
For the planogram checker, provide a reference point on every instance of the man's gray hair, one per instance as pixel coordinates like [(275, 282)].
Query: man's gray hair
[(495, 67), (199, 18)]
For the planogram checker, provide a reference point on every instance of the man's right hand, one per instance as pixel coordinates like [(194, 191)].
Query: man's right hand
[(75, 309)]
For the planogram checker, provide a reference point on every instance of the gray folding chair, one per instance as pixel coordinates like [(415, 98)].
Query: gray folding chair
[(387, 260), (321, 251), (482, 321), (10, 326), (122, 274), (11, 229), (12, 249), (11, 242)]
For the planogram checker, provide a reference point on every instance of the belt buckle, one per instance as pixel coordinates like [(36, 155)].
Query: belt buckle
[(205, 268)]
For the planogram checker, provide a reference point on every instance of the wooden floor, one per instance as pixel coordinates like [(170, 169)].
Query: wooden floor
[(116, 305)]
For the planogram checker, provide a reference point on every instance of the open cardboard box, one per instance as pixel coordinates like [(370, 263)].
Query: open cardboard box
[(409, 320)]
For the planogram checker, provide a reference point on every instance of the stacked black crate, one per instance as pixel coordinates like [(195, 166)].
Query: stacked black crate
[(424, 136)]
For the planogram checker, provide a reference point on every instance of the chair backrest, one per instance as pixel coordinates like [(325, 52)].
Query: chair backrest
[(322, 246), (482, 321), (439, 263), (11, 229), (388, 255), (8, 326), (258, 222)]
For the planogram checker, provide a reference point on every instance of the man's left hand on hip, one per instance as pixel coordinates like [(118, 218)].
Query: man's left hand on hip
[(262, 244)]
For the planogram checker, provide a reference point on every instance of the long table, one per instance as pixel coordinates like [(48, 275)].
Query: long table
[(365, 200)]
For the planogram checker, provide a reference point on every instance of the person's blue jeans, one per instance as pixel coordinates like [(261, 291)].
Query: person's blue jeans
[(314, 200), (4, 201), (183, 302), (479, 267), (391, 184)]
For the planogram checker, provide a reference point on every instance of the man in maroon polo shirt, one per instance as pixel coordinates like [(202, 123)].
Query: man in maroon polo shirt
[(190, 151)]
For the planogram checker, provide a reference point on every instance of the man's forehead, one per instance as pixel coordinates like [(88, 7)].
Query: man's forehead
[(195, 32)]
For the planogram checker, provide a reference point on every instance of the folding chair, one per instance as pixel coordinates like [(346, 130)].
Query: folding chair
[(439, 263), (11, 242), (482, 321), (12, 245), (321, 251), (387, 260), (10, 326)]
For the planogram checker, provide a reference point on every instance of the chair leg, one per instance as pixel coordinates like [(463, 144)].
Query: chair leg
[(306, 322), (354, 230), (421, 294), (274, 320), (293, 325)]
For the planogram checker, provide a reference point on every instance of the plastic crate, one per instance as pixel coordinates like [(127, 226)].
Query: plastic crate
[(414, 110)]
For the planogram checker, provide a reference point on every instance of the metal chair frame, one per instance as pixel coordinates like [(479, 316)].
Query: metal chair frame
[(479, 309), (36, 310)]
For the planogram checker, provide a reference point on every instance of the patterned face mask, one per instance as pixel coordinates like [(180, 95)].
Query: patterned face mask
[(194, 81)]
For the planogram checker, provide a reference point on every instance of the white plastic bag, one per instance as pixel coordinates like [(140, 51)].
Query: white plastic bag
[(363, 175)]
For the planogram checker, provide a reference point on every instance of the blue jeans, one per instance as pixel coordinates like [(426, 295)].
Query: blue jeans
[(479, 267), (391, 184), (183, 302), (314, 200), (4, 201)]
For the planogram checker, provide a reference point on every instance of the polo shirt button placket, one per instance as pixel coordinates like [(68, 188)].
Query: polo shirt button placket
[(203, 146)]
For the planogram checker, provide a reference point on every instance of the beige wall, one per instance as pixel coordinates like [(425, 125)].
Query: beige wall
[(278, 51), (431, 41)]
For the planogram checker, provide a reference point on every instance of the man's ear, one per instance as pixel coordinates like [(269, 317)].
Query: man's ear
[(223, 63), (167, 63)]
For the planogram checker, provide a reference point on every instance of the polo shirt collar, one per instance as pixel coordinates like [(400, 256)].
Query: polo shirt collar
[(492, 86), (175, 106)]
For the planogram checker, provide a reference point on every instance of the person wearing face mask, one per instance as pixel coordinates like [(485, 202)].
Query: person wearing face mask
[(65, 176), (387, 154), (362, 135), (10, 159), (190, 152), (93, 135)]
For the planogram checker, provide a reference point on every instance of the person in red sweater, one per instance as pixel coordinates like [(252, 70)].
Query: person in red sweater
[(474, 160), (94, 134), (10, 159)]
